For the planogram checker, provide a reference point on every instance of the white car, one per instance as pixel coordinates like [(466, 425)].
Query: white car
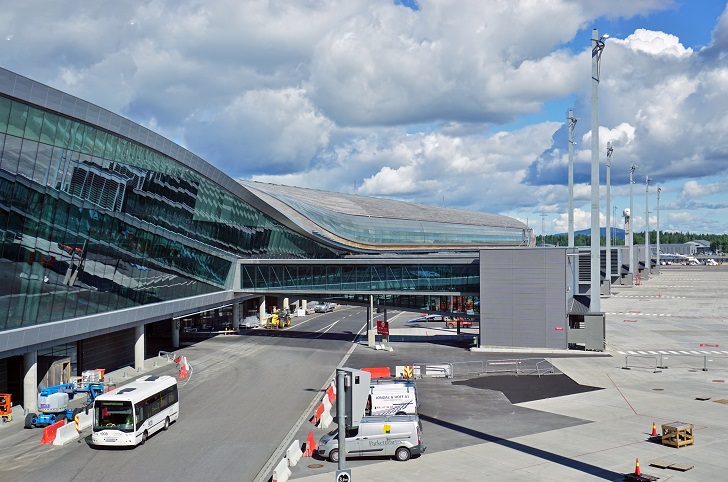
[(323, 308)]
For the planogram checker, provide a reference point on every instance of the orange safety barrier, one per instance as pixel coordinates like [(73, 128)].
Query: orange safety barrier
[(49, 433), (310, 446), (379, 372), (317, 414), (331, 394)]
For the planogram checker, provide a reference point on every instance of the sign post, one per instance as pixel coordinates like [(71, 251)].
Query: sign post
[(343, 475)]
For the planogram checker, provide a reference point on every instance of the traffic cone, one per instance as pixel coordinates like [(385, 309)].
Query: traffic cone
[(310, 446), (637, 470), (654, 429)]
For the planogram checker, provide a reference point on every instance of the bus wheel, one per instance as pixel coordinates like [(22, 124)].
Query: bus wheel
[(166, 424), (144, 438)]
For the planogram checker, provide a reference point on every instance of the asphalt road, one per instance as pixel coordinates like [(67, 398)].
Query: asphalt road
[(244, 395)]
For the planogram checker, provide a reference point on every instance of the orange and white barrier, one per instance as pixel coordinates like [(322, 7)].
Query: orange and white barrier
[(49, 433), (65, 434), (281, 472), (294, 453)]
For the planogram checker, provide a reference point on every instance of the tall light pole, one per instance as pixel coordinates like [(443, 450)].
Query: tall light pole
[(647, 226), (572, 123), (543, 232), (610, 150), (631, 224), (597, 48), (658, 228)]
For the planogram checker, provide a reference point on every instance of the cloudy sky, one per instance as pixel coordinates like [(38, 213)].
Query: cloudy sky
[(459, 103)]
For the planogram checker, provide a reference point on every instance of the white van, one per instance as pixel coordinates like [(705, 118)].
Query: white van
[(398, 436), (391, 396)]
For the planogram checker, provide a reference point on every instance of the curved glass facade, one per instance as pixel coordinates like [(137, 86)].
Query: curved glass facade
[(404, 232), (92, 222)]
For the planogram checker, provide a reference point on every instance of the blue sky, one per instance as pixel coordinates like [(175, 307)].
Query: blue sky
[(454, 102)]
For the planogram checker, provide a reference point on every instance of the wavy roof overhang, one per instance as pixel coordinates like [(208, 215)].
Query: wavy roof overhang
[(318, 212)]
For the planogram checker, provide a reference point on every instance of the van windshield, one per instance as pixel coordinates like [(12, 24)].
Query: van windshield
[(350, 432)]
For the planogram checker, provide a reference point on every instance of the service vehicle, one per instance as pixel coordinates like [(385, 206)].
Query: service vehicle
[(391, 396), (398, 436), (6, 407), (453, 322), (53, 402), (131, 413)]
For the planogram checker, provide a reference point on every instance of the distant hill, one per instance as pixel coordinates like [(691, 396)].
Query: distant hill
[(619, 233)]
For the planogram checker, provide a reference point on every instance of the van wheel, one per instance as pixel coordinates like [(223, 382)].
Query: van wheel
[(144, 438), (166, 424), (334, 455), (402, 454)]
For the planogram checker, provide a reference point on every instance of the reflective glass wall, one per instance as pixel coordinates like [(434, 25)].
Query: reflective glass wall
[(92, 222)]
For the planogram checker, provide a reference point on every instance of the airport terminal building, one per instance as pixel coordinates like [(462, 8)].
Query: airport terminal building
[(111, 234)]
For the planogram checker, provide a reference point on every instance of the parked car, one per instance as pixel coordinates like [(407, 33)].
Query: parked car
[(323, 308)]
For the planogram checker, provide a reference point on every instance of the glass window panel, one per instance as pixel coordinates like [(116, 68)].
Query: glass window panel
[(42, 164), (34, 125), (11, 154), (63, 132), (48, 131), (89, 139), (77, 131), (26, 163), (5, 105), (18, 119)]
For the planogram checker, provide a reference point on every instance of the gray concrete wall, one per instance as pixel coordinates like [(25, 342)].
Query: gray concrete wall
[(523, 298)]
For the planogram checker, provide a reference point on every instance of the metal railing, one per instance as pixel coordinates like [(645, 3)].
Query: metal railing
[(434, 370), (676, 360), (518, 366)]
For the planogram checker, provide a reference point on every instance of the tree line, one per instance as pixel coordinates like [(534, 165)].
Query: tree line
[(718, 242)]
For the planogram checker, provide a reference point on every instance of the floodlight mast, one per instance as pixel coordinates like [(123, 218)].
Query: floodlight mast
[(631, 224), (595, 286), (659, 189), (648, 267), (572, 123), (607, 232)]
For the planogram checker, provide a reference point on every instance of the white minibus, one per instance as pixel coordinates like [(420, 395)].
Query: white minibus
[(131, 413)]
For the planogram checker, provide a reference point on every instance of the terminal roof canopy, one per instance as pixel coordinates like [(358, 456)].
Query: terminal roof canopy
[(369, 223)]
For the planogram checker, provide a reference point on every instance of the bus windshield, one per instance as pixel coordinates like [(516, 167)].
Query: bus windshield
[(113, 415)]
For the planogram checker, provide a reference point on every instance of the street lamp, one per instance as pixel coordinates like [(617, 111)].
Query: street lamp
[(595, 286), (647, 226), (543, 233), (610, 150), (631, 224), (572, 123), (658, 228)]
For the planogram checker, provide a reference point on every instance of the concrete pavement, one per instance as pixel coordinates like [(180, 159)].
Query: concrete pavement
[(675, 319)]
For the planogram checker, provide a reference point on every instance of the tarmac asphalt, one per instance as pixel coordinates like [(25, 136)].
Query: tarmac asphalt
[(666, 364)]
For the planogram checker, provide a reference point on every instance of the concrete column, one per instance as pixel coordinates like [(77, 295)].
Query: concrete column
[(261, 308), (285, 304), (385, 339), (236, 315), (303, 306), (139, 347), (30, 381), (175, 333), (371, 334)]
